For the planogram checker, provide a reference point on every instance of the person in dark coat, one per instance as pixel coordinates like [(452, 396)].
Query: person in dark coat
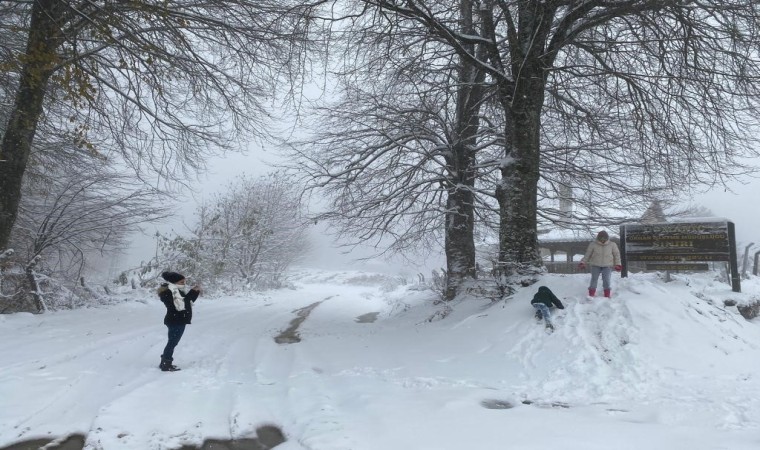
[(543, 301), (178, 299)]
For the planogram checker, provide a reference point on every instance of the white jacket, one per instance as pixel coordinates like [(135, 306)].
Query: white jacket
[(602, 254)]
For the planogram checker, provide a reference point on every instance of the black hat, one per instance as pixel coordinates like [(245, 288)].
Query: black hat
[(602, 235), (172, 277)]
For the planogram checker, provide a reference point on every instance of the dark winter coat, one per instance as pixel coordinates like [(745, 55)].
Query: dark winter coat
[(174, 317), (547, 297)]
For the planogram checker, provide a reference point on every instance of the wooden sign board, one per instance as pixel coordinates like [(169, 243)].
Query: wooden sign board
[(675, 267), (689, 245)]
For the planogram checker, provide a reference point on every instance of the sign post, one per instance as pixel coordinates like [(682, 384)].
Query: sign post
[(736, 283)]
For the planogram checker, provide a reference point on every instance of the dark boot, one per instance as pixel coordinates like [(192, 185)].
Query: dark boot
[(608, 293), (591, 292), (167, 366), (538, 315)]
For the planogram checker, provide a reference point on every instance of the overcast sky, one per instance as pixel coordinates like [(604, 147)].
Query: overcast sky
[(740, 206)]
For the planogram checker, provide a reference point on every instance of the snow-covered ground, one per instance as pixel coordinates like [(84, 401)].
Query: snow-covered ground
[(660, 366)]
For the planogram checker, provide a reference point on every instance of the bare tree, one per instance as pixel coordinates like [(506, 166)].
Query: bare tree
[(396, 154), (73, 209), (161, 83), (675, 81), (67, 216)]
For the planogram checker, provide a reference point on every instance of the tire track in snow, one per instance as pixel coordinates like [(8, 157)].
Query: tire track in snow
[(249, 375), (55, 393), (218, 375)]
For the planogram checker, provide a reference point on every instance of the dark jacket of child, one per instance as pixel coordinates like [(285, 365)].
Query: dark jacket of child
[(173, 316), (547, 297)]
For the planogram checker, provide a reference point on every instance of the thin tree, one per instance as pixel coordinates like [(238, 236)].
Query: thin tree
[(78, 214), (74, 209)]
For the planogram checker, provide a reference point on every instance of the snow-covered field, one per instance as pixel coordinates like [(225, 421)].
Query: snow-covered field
[(660, 366)]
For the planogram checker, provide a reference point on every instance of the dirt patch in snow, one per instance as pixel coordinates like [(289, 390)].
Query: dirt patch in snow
[(267, 437), (290, 335), (73, 442), (367, 318)]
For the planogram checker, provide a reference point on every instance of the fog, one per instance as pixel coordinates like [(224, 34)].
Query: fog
[(740, 205), (324, 252), (737, 204)]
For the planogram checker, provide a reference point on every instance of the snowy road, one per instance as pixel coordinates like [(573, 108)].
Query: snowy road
[(619, 374), (63, 373)]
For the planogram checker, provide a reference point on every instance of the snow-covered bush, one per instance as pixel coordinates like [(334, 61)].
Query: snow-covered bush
[(243, 239)]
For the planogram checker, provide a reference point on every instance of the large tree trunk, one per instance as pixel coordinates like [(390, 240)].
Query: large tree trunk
[(517, 192), (518, 201), (16, 144), (460, 242), (522, 99), (460, 207)]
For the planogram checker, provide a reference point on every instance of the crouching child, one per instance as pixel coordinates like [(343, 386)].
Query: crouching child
[(544, 300)]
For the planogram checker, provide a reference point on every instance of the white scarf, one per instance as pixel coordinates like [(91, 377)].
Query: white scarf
[(179, 301)]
